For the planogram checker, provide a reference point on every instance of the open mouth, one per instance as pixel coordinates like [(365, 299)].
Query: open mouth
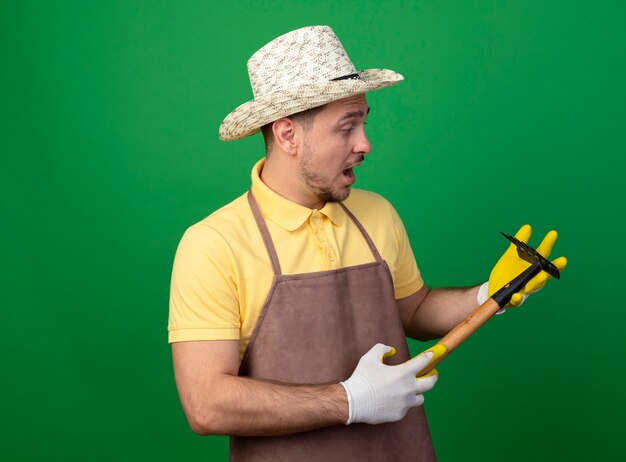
[(348, 173)]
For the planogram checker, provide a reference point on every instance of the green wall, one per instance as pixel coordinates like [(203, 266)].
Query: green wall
[(511, 112)]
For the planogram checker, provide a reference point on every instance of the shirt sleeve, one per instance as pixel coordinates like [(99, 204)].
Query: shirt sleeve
[(408, 279), (203, 293)]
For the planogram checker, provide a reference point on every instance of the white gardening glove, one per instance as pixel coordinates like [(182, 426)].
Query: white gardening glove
[(379, 393)]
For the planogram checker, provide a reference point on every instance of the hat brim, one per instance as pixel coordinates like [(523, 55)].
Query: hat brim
[(248, 118)]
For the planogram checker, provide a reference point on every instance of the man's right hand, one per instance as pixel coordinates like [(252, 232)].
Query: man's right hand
[(378, 393)]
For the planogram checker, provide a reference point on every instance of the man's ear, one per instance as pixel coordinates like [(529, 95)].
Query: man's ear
[(285, 135)]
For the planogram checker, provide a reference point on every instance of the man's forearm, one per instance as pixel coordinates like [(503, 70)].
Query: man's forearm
[(440, 311), (248, 407), (217, 401)]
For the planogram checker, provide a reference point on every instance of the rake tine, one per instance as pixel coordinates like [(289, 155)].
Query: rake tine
[(529, 254)]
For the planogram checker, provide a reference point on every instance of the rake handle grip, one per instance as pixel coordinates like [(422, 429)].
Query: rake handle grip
[(463, 330)]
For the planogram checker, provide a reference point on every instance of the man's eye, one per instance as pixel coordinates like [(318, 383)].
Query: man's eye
[(348, 130)]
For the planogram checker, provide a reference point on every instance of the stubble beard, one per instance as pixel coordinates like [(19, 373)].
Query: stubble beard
[(314, 181)]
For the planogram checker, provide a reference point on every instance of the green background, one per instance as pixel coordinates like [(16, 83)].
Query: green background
[(512, 112)]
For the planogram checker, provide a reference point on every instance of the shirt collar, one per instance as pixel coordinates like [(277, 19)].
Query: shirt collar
[(282, 211)]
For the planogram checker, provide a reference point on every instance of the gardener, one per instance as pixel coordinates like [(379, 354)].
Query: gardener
[(285, 302)]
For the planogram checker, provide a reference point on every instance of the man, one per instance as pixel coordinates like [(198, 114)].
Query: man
[(290, 305)]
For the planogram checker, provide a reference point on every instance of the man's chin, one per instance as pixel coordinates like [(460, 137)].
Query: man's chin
[(334, 196)]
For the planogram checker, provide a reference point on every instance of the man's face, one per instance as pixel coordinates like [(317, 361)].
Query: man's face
[(333, 145)]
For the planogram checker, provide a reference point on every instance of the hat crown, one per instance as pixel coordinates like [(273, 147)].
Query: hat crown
[(305, 56)]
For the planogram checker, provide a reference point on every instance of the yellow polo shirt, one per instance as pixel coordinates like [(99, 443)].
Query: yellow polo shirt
[(222, 272)]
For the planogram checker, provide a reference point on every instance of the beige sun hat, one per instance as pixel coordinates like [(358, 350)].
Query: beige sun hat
[(299, 70)]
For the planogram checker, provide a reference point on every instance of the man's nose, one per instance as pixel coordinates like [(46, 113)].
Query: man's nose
[(362, 145)]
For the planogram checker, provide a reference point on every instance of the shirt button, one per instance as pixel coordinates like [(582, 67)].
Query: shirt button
[(313, 219), (322, 239), (331, 258)]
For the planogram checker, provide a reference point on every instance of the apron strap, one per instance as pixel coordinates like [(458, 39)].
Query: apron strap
[(367, 237), (267, 239)]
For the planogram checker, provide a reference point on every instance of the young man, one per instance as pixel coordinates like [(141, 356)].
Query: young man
[(290, 306)]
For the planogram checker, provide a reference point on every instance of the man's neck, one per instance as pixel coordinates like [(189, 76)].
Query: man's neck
[(281, 177)]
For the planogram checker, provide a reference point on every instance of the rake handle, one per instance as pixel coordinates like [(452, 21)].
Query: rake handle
[(481, 315), (463, 330)]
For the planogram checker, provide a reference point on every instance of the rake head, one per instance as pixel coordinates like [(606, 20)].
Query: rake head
[(530, 255)]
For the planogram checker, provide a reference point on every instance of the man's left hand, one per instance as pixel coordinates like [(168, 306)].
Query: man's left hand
[(511, 265)]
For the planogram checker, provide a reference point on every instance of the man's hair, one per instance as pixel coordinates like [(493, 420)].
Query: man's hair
[(304, 118)]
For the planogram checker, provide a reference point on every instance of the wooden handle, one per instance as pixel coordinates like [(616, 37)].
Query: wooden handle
[(463, 330)]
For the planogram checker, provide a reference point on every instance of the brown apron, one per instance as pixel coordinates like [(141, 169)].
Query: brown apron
[(313, 329)]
